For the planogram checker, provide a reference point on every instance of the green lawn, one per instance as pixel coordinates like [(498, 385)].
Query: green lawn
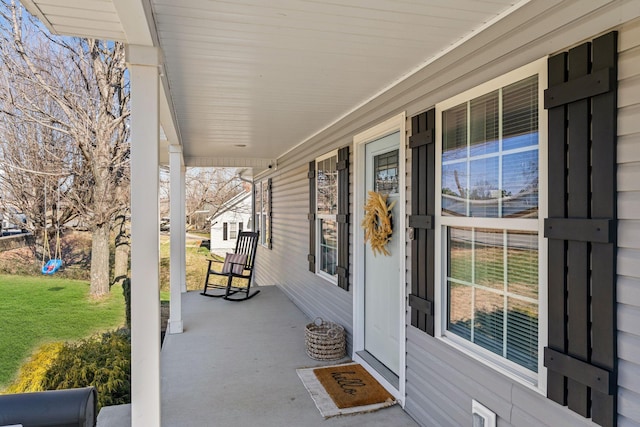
[(196, 267), (40, 309)]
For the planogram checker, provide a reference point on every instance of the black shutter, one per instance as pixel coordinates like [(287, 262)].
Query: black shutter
[(312, 216), (240, 226), (581, 357), (268, 231), (343, 218), (224, 231), (423, 153)]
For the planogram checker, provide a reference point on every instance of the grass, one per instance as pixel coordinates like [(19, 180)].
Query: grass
[(196, 265), (43, 309)]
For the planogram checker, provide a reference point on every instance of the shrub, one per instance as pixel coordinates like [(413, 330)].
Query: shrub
[(102, 361), (31, 374)]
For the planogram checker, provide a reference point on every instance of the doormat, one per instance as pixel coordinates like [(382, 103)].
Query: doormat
[(344, 389)]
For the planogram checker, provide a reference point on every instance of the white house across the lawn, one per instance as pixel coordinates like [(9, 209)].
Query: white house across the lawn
[(233, 217)]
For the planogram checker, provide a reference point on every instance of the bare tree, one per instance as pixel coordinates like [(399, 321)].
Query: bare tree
[(206, 191), (73, 96), (122, 246)]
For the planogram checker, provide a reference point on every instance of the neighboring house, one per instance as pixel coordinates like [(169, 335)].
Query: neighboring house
[(12, 221), (234, 216)]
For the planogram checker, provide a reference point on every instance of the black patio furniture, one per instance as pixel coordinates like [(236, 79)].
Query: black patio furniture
[(237, 267)]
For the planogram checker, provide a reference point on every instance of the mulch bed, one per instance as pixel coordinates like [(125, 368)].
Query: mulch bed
[(164, 319)]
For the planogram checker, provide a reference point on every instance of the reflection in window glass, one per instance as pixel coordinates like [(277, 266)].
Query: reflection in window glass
[(484, 125), (520, 178), (492, 281), (489, 171), (520, 114), (327, 186), (454, 189), (385, 168), (258, 206), (484, 187), (328, 246), (266, 224), (454, 141)]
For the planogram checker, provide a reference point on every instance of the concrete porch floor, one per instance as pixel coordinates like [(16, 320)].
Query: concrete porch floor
[(235, 365)]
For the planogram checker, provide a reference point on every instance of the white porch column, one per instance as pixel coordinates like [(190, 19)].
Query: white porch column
[(145, 239), (177, 244), (182, 223)]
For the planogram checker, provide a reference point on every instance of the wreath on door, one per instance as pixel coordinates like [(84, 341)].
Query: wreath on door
[(377, 223)]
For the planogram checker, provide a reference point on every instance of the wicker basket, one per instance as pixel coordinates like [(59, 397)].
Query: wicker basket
[(324, 340)]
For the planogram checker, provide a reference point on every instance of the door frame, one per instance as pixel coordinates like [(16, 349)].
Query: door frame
[(396, 123)]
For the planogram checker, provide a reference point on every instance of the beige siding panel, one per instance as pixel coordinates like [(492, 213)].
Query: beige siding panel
[(629, 91), (629, 148), (628, 318), (628, 406), (628, 204), (546, 412), (629, 291), (629, 177), (629, 234), (629, 377), (629, 61), (629, 263), (626, 422), (629, 347), (628, 122)]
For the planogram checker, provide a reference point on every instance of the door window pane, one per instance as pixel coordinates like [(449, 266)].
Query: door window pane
[(385, 168)]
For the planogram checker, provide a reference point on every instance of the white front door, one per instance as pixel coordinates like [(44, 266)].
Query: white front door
[(382, 272)]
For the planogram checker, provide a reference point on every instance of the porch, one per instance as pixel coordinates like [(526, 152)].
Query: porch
[(235, 364)]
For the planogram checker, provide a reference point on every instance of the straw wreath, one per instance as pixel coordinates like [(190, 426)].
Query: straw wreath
[(377, 222)]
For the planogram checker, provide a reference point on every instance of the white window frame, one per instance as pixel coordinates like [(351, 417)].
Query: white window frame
[(261, 216), (233, 231), (537, 380), (257, 208), (334, 217)]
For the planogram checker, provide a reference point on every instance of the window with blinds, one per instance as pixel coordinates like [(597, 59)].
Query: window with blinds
[(490, 154), (326, 214), (489, 207), (262, 203)]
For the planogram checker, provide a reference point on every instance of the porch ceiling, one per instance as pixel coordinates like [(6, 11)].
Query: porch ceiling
[(247, 80)]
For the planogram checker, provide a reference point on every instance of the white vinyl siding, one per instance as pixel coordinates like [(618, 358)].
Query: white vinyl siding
[(441, 379), (629, 225)]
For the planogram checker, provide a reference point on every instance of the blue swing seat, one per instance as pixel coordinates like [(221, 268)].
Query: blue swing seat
[(52, 266)]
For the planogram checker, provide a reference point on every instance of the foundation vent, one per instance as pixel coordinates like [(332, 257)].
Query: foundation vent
[(482, 416)]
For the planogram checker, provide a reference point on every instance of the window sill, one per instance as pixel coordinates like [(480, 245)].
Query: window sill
[(502, 366), (331, 279)]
